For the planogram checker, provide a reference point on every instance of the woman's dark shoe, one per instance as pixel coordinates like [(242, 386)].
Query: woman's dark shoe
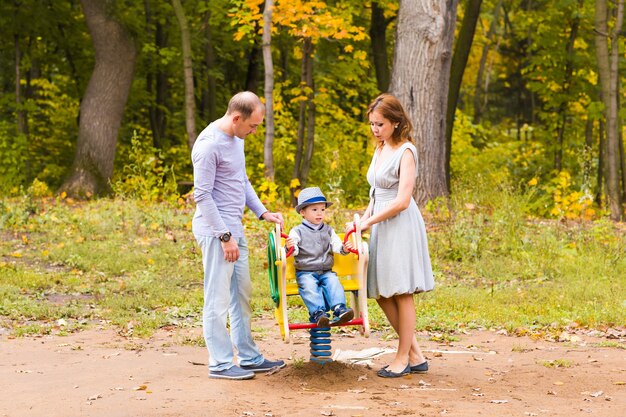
[(422, 368), (386, 373)]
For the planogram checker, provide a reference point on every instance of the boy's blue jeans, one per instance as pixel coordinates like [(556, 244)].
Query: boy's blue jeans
[(227, 292), (320, 290)]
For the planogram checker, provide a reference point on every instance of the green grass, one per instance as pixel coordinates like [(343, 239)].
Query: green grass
[(136, 266), (556, 363)]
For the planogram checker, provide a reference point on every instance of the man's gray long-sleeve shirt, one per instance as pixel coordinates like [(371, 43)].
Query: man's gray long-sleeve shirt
[(221, 185)]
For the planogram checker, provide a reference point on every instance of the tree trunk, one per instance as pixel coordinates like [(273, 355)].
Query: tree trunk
[(155, 85), (459, 60), (310, 122), (268, 148), (480, 92), (567, 80), (190, 101), (102, 107), (420, 77), (19, 111), (378, 38), (588, 156), (608, 75), (307, 48), (252, 75), (208, 106), (599, 197)]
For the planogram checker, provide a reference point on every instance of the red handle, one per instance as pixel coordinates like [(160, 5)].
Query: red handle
[(291, 249), (345, 239)]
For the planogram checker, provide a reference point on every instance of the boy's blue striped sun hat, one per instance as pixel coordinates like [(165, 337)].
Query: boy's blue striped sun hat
[(311, 195)]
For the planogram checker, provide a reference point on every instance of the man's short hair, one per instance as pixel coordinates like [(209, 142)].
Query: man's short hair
[(245, 102)]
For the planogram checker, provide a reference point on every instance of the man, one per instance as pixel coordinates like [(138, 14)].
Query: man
[(222, 190)]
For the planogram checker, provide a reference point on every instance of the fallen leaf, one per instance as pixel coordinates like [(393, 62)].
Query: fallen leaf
[(596, 394), (551, 393), (619, 383), (362, 378), (558, 383), (499, 401), (328, 413), (94, 397), (358, 391), (140, 388)]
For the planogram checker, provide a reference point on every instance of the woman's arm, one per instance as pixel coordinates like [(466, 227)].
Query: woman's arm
[(402, 200)]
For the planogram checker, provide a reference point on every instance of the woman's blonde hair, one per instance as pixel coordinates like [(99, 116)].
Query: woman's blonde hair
[(390, 108)]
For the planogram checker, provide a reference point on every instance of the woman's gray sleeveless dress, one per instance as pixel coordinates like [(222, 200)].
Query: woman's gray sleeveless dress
[(399, 262)]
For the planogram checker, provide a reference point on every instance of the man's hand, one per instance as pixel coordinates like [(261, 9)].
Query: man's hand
[(274, 218), (231, 250)]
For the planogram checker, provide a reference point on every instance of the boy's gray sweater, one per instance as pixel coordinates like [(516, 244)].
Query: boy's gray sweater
[(315, 247)]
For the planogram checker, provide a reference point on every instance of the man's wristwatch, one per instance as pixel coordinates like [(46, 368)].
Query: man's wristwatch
[(225, 237)]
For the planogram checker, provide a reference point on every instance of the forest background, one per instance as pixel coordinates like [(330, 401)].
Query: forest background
[(105, 98), (525, 96)]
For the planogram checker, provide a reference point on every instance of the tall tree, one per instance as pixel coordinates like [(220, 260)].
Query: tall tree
[(608, 62), (208, 88), (190, 103), (378, 39), (156, 77), (482, 75), (306, 119), (103, 103), (566, 86), (268, 148), (420, 80), (459, 60)]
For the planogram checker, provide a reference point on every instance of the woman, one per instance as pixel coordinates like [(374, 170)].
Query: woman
[(399, 262)]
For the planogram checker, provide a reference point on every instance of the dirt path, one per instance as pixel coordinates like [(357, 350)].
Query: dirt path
[(98, 373)]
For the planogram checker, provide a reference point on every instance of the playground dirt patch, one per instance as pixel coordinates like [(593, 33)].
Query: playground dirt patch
[(100, 373)]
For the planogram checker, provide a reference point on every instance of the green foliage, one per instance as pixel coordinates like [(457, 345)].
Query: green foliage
[(145, 177), (13, 159), (135, 265)]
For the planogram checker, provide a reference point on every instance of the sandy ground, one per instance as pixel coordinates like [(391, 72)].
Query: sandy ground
[(99, 373)]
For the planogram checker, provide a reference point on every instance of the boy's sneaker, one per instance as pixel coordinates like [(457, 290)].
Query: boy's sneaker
[(321, 318), (342, 315), (233, 372), (264, 366)]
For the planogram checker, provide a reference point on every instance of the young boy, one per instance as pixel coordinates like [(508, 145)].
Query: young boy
[(314, 243)]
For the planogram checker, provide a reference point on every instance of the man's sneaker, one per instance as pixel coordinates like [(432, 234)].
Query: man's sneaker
[(234, 372), (321, 319), (342, 315), (265, 366)]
